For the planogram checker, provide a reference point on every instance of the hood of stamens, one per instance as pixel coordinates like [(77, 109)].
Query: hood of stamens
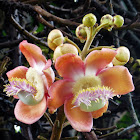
[(25, 90), (93, 98), (17, 84)]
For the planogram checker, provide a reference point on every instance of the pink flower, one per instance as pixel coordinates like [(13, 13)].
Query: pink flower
[(30, 85), (87, 86)]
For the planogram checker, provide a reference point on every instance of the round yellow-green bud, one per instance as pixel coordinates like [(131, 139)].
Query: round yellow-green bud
[(107, 19), (89, 20), (118, 21), (122, 56), (55, 38), (64, 49), (81, 33)]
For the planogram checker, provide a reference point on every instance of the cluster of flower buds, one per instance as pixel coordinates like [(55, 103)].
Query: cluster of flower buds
[(106, 22), (112, 21), (56, 43)]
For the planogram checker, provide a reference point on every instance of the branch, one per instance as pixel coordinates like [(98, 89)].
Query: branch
[(58, 125), (10, 6), (82, 8), (26, 33), (52, 17), (10, 44), (123, 11), (132, 114), (49, 119), (3, 65), (129, 27), (111, 133), (46, 23), (90, 136)]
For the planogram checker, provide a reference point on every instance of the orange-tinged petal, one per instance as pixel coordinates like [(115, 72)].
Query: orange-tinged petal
[(118, 78), (79, 120), (49, 77), (98, 59), (70, 66), (59, 92), (98, 113), (30, 114), (19, 72), (33, 54)]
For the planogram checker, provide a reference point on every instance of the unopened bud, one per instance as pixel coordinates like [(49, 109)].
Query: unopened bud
[(89, 20), (108, 20), (81, 33), (55, 38), (122, 56), (118, 21), (64, 49)]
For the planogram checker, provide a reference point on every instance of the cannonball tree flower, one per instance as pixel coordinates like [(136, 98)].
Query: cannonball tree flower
[(30, 85), (86, 86)]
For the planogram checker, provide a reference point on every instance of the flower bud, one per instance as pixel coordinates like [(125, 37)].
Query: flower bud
[(81, 33), (118, 21), (89, 20), (122, 56), (64, 49), (107, 19), (55, 38)]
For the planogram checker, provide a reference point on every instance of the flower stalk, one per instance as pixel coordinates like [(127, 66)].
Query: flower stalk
[(91, 33), (58, 125)]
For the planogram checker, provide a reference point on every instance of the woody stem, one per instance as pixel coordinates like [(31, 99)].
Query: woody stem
[(58, 125)]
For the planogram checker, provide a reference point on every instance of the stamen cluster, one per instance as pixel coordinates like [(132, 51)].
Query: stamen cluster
[(92, 94), (17, 84)]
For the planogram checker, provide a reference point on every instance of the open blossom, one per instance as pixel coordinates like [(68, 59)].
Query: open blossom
[(87, 86), (30, 85)]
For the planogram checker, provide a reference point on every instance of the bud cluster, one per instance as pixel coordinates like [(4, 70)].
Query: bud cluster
[(106, 22), (112, 21), (56, 43)]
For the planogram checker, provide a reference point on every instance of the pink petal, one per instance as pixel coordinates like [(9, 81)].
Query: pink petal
[(30, 114), (59, 92), (118, 78), (70, 66), (19, 72), (98, 59), (79, 120), (49, 77), (48, 64), (33, 54)]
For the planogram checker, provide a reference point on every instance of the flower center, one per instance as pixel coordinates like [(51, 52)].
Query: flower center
[(30, 90), (17, 84), (86, 82), (93, 98)]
